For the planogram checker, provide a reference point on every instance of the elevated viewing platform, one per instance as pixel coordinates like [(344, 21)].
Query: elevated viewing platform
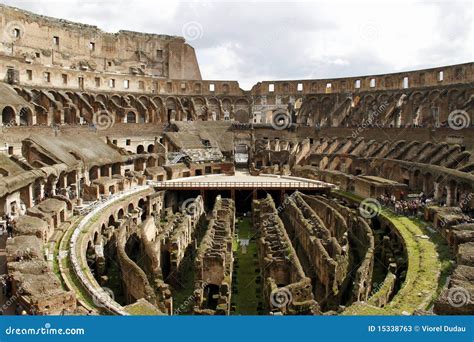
[(241, 181)]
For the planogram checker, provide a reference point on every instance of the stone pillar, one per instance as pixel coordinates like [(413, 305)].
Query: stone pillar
[(77, 184), (451, 197), (203, 196), (63, 181), (438, 191), (50, 116), (41, 183), (29, 200), (53, 187)]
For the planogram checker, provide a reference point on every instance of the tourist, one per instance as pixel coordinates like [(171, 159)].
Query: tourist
[(9, 227)]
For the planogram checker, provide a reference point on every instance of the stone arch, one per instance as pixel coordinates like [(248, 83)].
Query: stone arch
[(428, 187), (105, 171), (226, 104), (143, 206), (242, 116), (97, 237), (131, 117), (111, 221), (120, 214), (171, 106), (101, 98), (417, 180), (8, 116), (140, 149), (26, 116), (93, 173), (214, 109), (117, 99)]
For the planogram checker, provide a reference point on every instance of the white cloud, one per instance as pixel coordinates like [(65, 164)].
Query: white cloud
[(251, 41)]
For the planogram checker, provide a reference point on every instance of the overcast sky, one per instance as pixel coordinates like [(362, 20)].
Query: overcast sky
[(253, 41)]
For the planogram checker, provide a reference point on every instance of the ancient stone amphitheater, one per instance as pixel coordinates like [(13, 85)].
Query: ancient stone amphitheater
[(130, 186)]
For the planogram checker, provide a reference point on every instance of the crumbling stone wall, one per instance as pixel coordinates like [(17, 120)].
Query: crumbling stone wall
[(213, 264), (136, 282), (329, 257), (34, 284), (361, 241), (38, 289), (286, 288)]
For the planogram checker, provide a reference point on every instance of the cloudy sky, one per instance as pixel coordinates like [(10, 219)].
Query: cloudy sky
[(252, 41)]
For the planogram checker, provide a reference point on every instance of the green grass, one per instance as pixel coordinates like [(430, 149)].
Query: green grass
[(183, 297), (78, 288), (66, 265), (246, 299), (428, 267), (141, 310), (445, 256), (424, 267)]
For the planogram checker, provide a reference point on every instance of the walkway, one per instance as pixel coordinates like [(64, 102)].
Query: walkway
[(241, 181)]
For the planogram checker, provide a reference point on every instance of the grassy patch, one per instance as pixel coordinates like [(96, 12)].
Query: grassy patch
[(427, 265), (245, 296)]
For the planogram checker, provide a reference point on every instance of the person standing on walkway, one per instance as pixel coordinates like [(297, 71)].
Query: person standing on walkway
[(9, 228)]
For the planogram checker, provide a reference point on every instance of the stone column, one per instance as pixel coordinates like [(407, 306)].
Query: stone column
[(438, 191), (29, 200), (41, 183), (54, 182), (61, 115), (50, 116), (451, 197)]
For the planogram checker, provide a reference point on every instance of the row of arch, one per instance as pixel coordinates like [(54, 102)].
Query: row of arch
[(20, 116), (68, 107), (391, 108), (434, 182)]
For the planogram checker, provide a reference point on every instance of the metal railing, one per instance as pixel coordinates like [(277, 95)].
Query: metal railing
[(239, 185)]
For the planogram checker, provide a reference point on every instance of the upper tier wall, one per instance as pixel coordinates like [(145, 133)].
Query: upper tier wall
[(39, 40), (440, 76), (39, 51)]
